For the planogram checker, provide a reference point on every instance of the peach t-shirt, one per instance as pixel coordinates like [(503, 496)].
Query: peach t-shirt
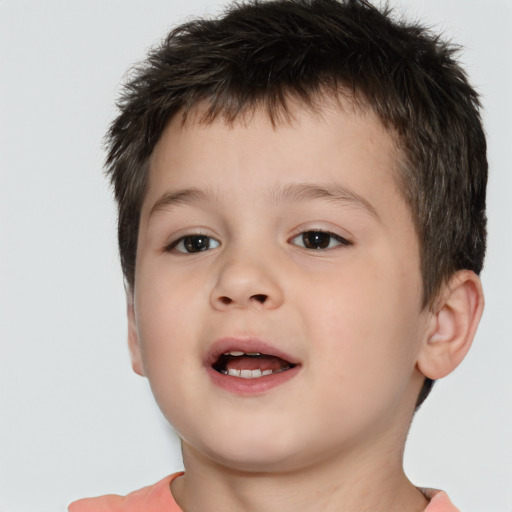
[(158, 498)]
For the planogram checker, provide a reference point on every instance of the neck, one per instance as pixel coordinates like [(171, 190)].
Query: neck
[(365, 482)]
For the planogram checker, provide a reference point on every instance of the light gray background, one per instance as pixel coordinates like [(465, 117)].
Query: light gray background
[(74, 420)]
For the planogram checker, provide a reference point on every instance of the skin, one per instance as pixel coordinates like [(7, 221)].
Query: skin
[(332, 437)]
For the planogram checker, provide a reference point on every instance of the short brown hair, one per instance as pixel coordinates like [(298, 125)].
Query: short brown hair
[(259, 53)]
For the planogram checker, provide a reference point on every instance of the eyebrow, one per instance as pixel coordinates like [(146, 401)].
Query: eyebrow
[(179, 197), (336, 192), (295, 192)]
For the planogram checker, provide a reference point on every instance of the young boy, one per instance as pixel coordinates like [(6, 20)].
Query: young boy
[(301, 193)]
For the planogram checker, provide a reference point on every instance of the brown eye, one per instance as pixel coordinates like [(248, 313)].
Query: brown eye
[(318, 240), (194, 243)]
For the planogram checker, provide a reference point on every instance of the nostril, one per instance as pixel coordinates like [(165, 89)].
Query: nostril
[(261, 298), (225, 300)]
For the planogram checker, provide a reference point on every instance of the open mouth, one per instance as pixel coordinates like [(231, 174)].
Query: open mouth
[(250, 365)]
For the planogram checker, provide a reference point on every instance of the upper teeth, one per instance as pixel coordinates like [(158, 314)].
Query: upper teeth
[(238, 353)]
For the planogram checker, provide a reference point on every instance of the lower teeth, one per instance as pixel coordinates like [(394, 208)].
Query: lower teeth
[(250, 374)]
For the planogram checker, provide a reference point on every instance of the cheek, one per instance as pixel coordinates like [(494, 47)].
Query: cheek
[(166, 323), (166, 309), (367, 329)]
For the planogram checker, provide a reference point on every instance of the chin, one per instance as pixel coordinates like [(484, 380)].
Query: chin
[(251, 453)]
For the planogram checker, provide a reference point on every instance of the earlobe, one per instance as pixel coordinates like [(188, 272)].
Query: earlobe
[(453, 325), (133, 336)]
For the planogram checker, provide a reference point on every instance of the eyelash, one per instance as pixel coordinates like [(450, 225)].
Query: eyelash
[(340, 241), (328, 239), (173, 246)]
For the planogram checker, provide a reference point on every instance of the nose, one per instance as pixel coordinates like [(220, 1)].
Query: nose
[(246, 282)]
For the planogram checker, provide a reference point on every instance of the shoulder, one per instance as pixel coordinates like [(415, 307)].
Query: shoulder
[(439, 501), (157, 497)]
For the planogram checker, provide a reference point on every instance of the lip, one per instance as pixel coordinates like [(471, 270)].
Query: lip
[(238, 385)]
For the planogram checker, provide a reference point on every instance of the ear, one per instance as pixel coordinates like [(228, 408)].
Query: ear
[(452, 325), (133, 336)]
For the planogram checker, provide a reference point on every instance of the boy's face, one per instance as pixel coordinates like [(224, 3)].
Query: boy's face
[(293, 242)]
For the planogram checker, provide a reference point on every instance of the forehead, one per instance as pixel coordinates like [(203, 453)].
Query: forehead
[(335, 141)]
